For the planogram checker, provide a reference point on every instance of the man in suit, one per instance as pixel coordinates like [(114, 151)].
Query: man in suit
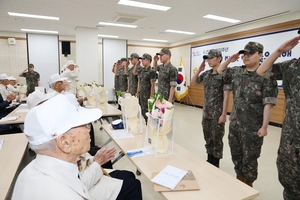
[(58, 133)]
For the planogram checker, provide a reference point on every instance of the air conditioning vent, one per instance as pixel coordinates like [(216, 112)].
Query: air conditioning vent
[(126, 19)]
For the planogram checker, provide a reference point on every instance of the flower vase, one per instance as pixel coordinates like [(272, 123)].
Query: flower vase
[(159, 136)]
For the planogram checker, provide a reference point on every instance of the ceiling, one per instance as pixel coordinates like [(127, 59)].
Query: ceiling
[(184, 15)]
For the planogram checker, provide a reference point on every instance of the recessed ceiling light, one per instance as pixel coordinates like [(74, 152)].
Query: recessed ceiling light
[(108, 36), (32, 16), (120, 25), (143, 5), (180, 32), (225, 19), (38, 31), (155, 40)]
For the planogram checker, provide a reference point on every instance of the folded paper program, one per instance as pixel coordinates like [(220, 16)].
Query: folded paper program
[(12, 118)]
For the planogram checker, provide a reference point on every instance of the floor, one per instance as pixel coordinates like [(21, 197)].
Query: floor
[(188, 134)]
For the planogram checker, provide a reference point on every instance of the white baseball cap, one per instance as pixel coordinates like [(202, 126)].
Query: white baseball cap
[(56, 77), (3, 77), (11, 78), (55, 117), (37, 97), (69, 62)]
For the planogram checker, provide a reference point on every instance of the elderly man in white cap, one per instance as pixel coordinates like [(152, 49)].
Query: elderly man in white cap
[(71, 71), (118, 184), (58, 133), (4, 91), (3, 86), (12, 85)]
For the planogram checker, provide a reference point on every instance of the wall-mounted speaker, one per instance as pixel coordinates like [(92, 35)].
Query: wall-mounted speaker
[(11, 40), (66, 48)]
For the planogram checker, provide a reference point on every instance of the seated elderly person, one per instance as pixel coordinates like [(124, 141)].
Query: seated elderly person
[(12, 85), (58, 133), (4, 128), (118, 184)]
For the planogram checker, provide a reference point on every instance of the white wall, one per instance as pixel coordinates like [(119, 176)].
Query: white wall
[(112, 51), (87, 54), (43, 53)]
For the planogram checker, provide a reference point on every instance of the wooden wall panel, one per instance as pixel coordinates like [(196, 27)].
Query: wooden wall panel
[(196, 96)]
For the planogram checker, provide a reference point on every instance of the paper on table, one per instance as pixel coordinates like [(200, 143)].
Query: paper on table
[(22, 111), (12, 118), (169, 177), (1, 143), (23, 105), (121, 134), (140, 152)]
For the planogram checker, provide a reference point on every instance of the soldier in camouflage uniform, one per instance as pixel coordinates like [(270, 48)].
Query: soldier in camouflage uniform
[(132, 73), (167, 77), (32, 78), (253, 99), (288, 160), (146, 83), (122, 76), (216, 96)]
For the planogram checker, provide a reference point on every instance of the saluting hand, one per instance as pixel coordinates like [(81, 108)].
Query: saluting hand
[(156, 58), (202, 66), (234, 57), (288, 45)]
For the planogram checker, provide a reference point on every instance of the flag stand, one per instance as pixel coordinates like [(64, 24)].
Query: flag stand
[(188, 97)]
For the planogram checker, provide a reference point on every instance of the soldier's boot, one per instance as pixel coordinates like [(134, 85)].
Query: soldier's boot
[(241, 177), (210, 158), (250, 183), (216, 161)]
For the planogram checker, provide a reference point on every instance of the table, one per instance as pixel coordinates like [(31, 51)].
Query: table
[(13, 155), (214, 183), (111, 111), (22, 115), (108, 114)]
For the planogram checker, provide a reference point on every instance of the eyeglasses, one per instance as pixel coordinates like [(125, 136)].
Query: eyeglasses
[(88, 126)]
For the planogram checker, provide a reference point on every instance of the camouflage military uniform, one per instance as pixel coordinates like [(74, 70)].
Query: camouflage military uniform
[(250, 94), (146, 77), (288, 160), (122, 80), (212, 110), (32, 79), (167, 77), (133, 80)]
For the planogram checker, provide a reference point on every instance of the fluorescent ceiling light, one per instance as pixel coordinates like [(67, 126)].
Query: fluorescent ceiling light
[(225, 19), (121, 25), (39, 31), (143, 5), (32, 16), (108, 36), (181, 32), (154, 40)]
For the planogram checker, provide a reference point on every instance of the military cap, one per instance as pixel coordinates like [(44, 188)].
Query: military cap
[(213, 53), (164, 51), (147, 56), (252, 47), (134, 55), (123, 59)]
